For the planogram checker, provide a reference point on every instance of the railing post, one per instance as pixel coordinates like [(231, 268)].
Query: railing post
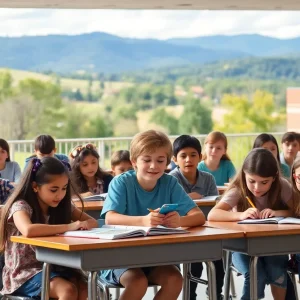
[(12, 152), (101, 151)]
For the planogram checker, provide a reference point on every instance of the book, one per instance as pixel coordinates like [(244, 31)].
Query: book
[(96, 197), (273, 220), (114, 232), (210, 198)]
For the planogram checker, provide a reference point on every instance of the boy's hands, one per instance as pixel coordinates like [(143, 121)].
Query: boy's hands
[(153, 219), (172, 219), (250, 213)]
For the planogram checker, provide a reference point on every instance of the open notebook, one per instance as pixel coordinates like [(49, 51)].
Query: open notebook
[(210, 198), (113, 232), (95, 197), (274, 220)]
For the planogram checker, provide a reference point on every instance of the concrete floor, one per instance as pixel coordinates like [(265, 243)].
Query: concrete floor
[(201, 290)]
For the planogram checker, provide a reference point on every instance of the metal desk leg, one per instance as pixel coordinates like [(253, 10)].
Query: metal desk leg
[(92, 285), (227, 274), (45, 282), (186, 281), (212, 286), (253, 277)]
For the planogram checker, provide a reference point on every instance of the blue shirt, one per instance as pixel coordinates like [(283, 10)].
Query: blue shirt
[(11, 172), (285, 168), (225, 171), (58, 156), (127, 197), (205, 184)]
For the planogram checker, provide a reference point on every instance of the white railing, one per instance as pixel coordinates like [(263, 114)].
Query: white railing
[(238, 146)]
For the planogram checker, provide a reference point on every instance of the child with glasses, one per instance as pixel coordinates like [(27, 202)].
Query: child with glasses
[(295, 179), (86, 173)]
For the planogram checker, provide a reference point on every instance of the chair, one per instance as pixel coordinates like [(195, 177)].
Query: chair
[(105, 286), (292, 275), (291, 272)]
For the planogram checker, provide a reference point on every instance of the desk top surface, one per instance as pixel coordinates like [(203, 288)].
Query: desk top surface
[(75, 244), (98, 205), (257, 230)]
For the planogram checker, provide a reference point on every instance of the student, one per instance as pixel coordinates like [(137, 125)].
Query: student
[(290, 147), (129, 197), (216, 160), (120, 162), (295, 179), (9, 170), (88, 177), (268, 141), (44, 145), (40, 206), (271, 194), (187, 154)]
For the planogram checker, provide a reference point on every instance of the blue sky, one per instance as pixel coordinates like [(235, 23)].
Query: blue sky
[(149, 23)]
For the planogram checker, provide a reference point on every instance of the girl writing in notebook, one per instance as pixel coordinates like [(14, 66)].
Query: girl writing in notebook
[(40, 206), (215, 158), (86, 174), (258, 191)]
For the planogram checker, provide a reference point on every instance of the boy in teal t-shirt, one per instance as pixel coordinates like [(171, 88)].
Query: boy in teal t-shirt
[(129, 196)]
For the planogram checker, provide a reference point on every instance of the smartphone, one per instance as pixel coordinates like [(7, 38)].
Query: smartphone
[(166, 208)]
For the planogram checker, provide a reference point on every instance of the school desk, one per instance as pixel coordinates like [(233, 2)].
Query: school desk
[(93, 208), (222, 189), (92, 255), (260, 240)]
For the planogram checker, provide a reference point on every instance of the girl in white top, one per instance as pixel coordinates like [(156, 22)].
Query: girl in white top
[(260, 181)]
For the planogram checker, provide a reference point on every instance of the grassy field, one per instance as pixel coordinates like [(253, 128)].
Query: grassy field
[(67, 83)]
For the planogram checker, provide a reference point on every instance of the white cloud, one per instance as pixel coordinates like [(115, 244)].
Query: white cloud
[(159, 24)]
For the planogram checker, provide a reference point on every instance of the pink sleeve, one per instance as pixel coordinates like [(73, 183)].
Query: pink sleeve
[(286, 191), (17, 206), (231, 197)]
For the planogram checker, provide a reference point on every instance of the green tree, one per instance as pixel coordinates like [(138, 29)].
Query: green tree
[(255, 114), (161, 117), (196, 118), (47, 98), (5, 85)]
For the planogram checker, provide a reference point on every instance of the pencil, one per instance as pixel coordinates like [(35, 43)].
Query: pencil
[(151, 210), (250, 202)]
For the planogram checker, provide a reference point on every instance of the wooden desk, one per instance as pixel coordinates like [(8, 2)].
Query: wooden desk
[(201, 244), (93, 208), (260, 240), (222, 189)]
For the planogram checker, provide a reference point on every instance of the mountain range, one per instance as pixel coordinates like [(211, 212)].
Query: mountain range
[(102, 52)]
